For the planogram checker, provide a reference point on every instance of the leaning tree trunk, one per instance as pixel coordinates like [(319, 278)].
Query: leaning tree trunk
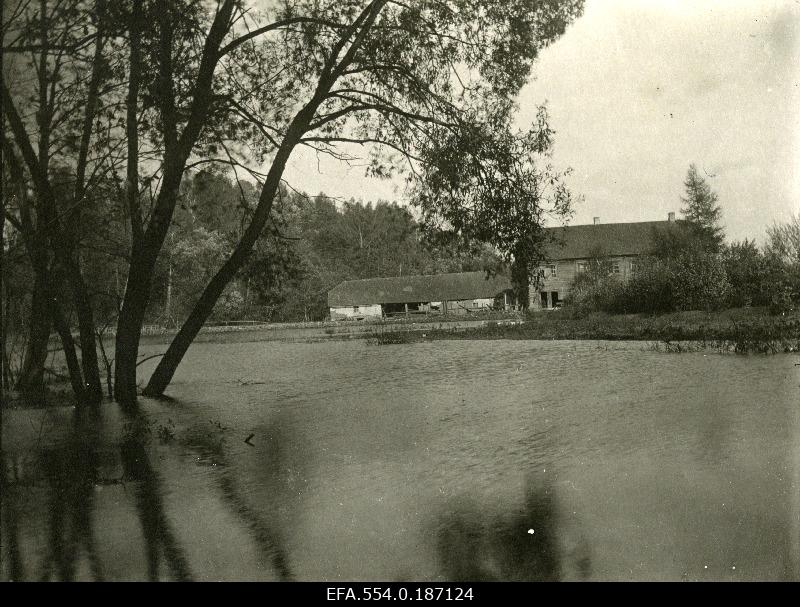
[(168, 364), (140, 281)]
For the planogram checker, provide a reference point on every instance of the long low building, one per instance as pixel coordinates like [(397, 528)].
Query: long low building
[(456, 293)]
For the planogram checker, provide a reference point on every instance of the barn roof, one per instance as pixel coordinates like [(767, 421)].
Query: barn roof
[(581, 242), (410, 289)]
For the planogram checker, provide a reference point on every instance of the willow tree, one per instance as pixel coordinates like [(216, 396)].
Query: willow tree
[(425, 87)]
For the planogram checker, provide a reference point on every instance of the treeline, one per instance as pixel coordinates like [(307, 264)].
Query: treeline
[(312, 244)]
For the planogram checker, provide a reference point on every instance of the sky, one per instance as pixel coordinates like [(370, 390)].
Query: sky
[(639, 89)]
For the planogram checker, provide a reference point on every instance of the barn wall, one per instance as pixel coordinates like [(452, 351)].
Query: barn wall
[(357, 312), (465, 306)]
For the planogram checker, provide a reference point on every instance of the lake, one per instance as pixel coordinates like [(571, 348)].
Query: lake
[(448, 460)]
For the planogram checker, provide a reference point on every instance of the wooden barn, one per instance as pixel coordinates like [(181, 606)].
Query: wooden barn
[(574, 246), (447, 294)]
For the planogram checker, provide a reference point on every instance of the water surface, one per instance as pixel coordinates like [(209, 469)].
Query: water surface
[(447, 460)]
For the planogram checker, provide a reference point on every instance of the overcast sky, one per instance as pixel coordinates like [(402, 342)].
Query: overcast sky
[(639, 89)]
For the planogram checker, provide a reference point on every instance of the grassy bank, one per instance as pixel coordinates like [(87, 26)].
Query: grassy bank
[(740, 330)]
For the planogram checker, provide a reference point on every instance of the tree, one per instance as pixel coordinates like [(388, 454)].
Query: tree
[(428, 85), (145, 91), (783, 240), (746, 270), (699, 282), (596, 287), (782, 259), (496, 193), (702, 212), (53, 121)]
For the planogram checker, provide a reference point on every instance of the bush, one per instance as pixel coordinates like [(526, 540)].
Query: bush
[(230, 305), (695, 281), (699, 282), (651, 288), (746, 269), (592, 293)]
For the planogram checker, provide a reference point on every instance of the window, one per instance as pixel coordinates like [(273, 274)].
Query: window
[(355, 308), (581, 266), (615, 269), (474, 304), (548, 271), (634, 266)]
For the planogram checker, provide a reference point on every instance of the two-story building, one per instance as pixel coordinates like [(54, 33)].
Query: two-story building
[(572, 248)]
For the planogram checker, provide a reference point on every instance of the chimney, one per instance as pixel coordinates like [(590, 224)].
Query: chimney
[(671, 216), (596, 220)]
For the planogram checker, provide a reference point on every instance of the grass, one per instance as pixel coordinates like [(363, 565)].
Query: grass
[(747, 330)]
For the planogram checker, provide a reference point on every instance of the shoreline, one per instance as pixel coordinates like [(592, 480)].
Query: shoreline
[(742, 331)]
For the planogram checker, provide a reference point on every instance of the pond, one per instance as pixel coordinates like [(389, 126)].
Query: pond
[(449, 460)]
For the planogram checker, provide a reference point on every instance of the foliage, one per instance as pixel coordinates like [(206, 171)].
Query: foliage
[(141, 91), (782, 260), (699, 282), (783, 240), (312, 244), (702, 211), (596, 288), (690, 281), (483, 184), (746, 269), (651, 288)]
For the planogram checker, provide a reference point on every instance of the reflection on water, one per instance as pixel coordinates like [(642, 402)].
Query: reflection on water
[(262, 531), (156, 529), (521, 545), (447, 461)]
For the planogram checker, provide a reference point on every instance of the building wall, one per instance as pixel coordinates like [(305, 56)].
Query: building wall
[(566, 271), (465, 306), (357, 312), (456, 308)]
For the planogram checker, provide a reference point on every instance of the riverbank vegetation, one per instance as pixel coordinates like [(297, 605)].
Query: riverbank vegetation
[(690, 267), (743, 330)]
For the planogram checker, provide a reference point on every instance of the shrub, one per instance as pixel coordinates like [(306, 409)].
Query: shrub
[(651, 288), (699, 282), (689, 281), (591, 293), (746, 269)]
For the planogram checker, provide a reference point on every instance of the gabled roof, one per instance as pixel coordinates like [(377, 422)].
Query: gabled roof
[(612, 239), (410, 289)]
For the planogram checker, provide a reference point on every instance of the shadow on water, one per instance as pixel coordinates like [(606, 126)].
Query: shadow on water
[(69, 471), (71, 474), (527, 543), (211, 447), (156, 529), (49, 491), (10, 528)]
